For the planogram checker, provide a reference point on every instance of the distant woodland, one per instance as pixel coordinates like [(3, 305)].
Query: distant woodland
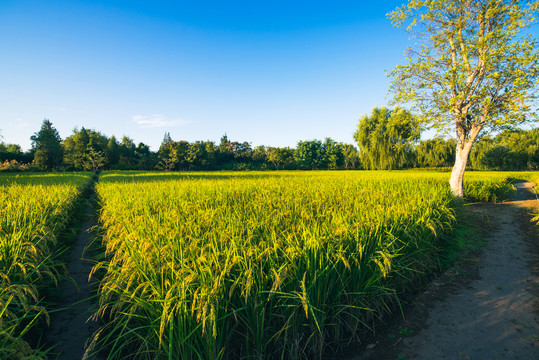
[(379, 146)]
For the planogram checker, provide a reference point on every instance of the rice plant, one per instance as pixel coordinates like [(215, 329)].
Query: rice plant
[(281, 265), (35, 209), (265, 265)]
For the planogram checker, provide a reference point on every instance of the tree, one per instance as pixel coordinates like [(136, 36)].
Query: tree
[(95, 159), (524, 147), (47, 146), (75, 149), (9, 152), (78, 146), (474, 72), (496, 157), (509, 150), (435, 152), (113, 151), (167, 140), (180, 153), (481, 146), (196, 154), (146, 159), (351, 156), (225, 153), (166, 162), (210, 158), (10, 148), (166, 159), (127, 150), (242, 151), (333, 153), (280, 157), (259, 155), (309, 154), (386, 137)]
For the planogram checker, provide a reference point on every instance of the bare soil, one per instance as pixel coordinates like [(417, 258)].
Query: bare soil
[(70, 325), (486, 306)]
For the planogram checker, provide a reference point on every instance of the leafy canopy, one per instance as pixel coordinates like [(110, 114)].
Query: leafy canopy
[(47, 146), (473, 68), (386, 137)]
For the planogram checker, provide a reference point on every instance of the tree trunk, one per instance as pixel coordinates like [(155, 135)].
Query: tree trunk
[(461, 160), (457, 175)]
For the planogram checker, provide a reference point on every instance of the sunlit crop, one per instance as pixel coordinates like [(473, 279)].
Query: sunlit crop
[(272, 265), (235, 264), (35, 209)]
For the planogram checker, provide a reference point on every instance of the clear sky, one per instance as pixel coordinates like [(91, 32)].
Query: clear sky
[(266, 72)]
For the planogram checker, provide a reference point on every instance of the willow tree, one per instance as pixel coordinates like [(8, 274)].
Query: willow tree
[(385, 138), (474, 69)]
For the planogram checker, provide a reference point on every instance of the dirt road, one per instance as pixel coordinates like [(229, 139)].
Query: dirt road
[(485, 308), (70, 328)]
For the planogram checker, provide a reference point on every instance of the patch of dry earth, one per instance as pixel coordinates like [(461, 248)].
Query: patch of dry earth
[(485, 307)]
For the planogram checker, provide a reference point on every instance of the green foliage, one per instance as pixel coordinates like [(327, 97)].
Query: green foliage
[(166, 159), (10, 148), (351, 156), (13, 152), (495, 157), (474, 66), (113, 150), (47, 145), (75, 148), (280, 157), (476, 155), (386, 137), (315, 154), (225, 153), (475, 71), (15, 166), (233, 155), (127, 150), (95, 160), (86, 150), (435, 153), (333, 154), (509, 150), (309, 154)]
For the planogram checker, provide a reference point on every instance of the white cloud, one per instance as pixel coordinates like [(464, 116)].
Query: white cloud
[(21, 123), (157, 120)]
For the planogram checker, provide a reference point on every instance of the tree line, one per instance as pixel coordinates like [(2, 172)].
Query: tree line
[(387, 139)]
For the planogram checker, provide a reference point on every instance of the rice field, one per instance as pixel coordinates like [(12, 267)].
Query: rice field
[(265, 265), (35, 210), (229, 265)]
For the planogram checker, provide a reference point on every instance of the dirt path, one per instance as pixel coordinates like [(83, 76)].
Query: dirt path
[(484, 308), (70, 328)]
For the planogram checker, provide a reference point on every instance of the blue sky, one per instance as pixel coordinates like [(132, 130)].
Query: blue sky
[(266, 72)]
